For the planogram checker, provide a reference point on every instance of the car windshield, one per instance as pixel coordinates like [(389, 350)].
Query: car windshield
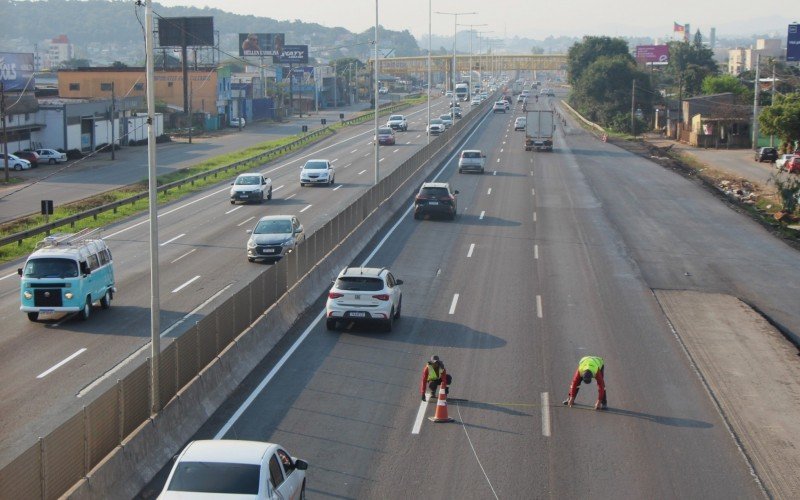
[(438, 192), (316, 165), (385, 131), (48, 267), (436, 121), (248, 180), (471, 154), (396, 117), (215, 477), (359, 283), (275, 226), (445, 117)]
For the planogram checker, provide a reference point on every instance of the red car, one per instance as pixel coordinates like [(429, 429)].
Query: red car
[(30, 156), (385, 136), (793, 165)]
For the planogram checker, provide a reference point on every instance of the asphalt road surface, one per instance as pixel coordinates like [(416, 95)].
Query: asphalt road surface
[(553, 256)]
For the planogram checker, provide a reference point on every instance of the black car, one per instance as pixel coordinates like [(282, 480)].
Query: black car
[(766, 154), (435, 198)]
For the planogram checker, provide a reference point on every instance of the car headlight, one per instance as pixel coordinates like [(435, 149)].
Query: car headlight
[(251, 244), (28, 295), (288, 243), (68, 295)]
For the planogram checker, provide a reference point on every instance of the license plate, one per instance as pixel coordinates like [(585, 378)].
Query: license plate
[(433, 203), (46, 310), (357, 315), (268, 250)]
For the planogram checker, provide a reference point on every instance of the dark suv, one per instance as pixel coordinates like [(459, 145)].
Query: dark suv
[(766, 154), (435, 198)]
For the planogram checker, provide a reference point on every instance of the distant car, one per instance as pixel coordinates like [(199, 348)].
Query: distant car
[(364, 294), (273, 237), (766, 154), (519, 123), (14, 162), (317, 172), (435, 198), (397, 122), (780, 162), (223, 468), (436, 127), (383, 90), (506, 104), (447, 120), (386, 136), (31, 156), (457, 112), (792, 165), (471, 160), (499, 107), (476, 101), (236, 120), (51, 156), (449, 93), (251, 187), (507, 98)]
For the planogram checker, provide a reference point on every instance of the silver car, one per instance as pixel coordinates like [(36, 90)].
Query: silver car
[(317, 172), (273, 237)]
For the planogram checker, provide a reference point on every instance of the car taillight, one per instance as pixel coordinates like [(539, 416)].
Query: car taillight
[(335, 295), (382, 296)]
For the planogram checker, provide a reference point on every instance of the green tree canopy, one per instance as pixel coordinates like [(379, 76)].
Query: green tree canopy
[(582, 54), (343, 64), (726, 83), (689, 64), (782, 118)]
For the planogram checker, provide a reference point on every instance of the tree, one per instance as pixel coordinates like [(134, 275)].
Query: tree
[(118, 65), (537, 50), (582, 54), (75, 63), (726, 83), (689, 64), (782, 118), (343, 65)]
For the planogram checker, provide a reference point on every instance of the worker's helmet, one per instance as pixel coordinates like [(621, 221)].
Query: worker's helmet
[(434, 359), (587, 377)]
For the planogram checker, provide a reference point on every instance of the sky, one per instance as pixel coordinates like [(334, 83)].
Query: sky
[(527, 18)]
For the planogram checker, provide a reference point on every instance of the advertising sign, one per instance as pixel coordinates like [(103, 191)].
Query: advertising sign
[(260, 44), (16, 71), (652, 54), (793, 43), (293, 54), (186, 31)]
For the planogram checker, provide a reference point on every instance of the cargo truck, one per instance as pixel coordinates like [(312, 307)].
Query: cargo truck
[(539, 128)]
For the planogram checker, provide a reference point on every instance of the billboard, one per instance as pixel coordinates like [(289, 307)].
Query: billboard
[(293, 54), (793, 43), (16, 71), (260, 44), (652, 54), (188, 31)]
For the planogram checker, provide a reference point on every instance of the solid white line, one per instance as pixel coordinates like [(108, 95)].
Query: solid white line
[(245, 221), (291, 196), (305, 208), (173, 239), (396, 150), (420, 416), (471, 248), (489, 191), (538, 306), (546, 414), (361, 172), (483, 212), (535, 251), (184, 255), (234, 209), (279, 187), (186, 284), (8, 276), (453, 304), (337, 187), (61, 363)]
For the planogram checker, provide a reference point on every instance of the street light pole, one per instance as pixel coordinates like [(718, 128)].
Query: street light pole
[(455, 69), (375, 90), (471, 31), (428, 135)]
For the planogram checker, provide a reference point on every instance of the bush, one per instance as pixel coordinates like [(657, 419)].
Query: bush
[(74, 154), (162, 139)]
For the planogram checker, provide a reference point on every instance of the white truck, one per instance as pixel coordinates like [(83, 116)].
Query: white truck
[(462, 91), (539, 128)]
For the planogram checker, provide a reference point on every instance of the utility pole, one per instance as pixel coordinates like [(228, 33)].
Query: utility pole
[(375, 90), (5, 136), (335, 86), (772, 100), (633, 108), (113, 122), (755, 101)]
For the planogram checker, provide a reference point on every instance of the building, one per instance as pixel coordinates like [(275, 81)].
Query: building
[(741, 59), (715, 121), (56, 52)]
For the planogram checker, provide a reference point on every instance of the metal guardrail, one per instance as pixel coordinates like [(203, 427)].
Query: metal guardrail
[(113, 206)]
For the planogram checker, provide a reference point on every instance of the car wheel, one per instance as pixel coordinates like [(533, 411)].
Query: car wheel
[(52, 161), (33, 316), (482, 171), (250, 259), (269, 195), (87, 309), (303, 491), (302, 185), (330, 324), (399, 308), (105, 302), (460, 171), (387, 325), (416, 216), (233, 202), (18, 167)]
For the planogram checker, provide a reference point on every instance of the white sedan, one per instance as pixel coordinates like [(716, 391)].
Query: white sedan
[(15, 162), (51, 156), (782, 159), (230, 468)]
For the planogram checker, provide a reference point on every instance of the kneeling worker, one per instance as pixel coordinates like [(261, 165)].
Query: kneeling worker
[(432, 377), (589, 367)]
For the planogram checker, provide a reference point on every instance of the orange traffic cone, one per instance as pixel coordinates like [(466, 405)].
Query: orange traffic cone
[(441, 403)]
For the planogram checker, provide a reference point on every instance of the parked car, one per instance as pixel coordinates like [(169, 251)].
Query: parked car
[(436, 127), (435, 198), (793, 165), (519, 123), (317, 172), (766, 154), (15, 162), (383, 90), (471, 160), (51, 156), (237, 121), (273, 237), (31, 156), (386, 136), (397, 122), (781, 161), (222, 468), (251, 187), (364, 294)]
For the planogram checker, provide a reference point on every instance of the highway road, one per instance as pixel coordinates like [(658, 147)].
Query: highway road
[(49, 367), (553, 256)]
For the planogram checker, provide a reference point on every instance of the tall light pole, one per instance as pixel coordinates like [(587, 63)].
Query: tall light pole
[(480, 54), (375, 89), (471, 30), (429, 73), (455, 69)]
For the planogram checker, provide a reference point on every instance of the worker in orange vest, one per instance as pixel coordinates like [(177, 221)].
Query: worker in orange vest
[(432, 377)]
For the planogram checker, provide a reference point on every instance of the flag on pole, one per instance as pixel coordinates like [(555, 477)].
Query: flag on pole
[(677, 28)]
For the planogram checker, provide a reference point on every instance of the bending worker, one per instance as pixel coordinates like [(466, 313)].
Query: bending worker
[(589, 367), (432, 377)]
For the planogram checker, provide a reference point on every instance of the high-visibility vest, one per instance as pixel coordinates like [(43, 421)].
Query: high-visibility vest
[(591, 363), (432, 373)]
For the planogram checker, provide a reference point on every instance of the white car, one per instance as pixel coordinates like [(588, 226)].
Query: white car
[(436, 127), (14, 162), (476, 101), (364, 294), (782, 159), (317, 172), (251, 187), (519, 123), (447, 120), (471, 160), (237, 121), (223, 468), (499, 106), (397, 122), (51, 156)]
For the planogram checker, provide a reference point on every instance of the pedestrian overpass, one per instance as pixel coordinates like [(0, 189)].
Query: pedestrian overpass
[(482, 62)]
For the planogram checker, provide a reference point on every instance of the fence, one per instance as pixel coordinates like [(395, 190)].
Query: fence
[(67, 454)]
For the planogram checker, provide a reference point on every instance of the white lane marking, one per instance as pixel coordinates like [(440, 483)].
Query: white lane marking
[(184, 255), (305, 208), (334, 160), (453, 304), (279, 187), (173, 239), (353, 151), (531, 173), (186, 284), (234, 209), (245, 221), (533, 192), (409, 142), (538, 306), (546, 414), (483, 212), (61, 363), (489, 191), (381, 159), (368, 154), (361, 172), (396, 150), (418, 136), (471, 248), (347, 165), (534, 216), (503, 143), (337, 187), (464, 426), (420, 417), (253, 395), (535, 251), (498, 160), (291, 196), (501, 150), (8, 276)]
